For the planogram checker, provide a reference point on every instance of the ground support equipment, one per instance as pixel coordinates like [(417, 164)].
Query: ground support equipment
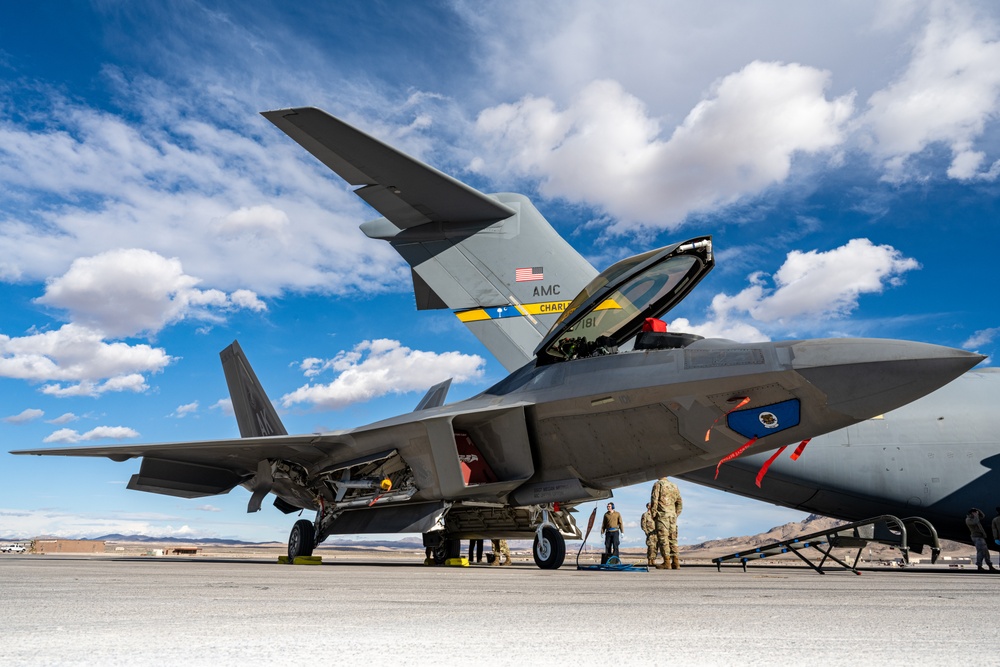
[(907, 534)]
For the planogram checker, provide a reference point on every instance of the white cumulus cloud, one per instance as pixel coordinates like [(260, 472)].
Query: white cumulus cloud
[(981, 337), (263, 221), (81, 357), (606, 150), (68, 435), (377, 367), (186, 409), (948, 92), (125, 292), (90, 182), (809, 287), (30, 414)]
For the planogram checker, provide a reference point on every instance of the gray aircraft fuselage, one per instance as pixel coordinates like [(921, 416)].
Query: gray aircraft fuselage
[(935, 458), (566, 432)]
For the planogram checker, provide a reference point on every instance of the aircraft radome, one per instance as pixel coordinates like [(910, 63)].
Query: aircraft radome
[(593, 401)]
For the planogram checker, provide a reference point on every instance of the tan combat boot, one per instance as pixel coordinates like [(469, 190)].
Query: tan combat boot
[(674, 563), (651, 562)]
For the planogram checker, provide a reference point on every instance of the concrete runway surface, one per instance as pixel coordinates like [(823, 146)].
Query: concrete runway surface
[(197, 611)]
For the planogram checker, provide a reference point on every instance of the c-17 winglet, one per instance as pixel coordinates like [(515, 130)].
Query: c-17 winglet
[(594, 402)]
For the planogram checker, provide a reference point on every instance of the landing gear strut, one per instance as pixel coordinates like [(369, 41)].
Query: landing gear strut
[(301, 540)]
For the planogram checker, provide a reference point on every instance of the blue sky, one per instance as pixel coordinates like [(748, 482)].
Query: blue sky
[(845, 158)]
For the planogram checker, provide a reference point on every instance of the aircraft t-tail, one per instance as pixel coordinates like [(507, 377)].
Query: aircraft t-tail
[(599, 396)]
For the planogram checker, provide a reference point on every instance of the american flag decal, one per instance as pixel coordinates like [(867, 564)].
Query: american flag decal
[(530, 273)]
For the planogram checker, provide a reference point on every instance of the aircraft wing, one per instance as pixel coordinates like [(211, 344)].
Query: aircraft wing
[(404, 190), (213, 467), (239, 454)]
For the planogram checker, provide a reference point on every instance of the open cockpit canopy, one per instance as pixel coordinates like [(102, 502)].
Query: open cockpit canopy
[(613, 307)]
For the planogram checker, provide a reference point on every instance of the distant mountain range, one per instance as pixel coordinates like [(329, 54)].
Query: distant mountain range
[(814, 523), (705, 550), (404, 543)]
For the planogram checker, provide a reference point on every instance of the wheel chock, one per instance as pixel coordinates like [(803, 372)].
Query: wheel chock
[(302, 560), (308, 560), (457, 562)]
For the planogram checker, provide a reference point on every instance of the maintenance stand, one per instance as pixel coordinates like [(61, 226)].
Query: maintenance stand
[(907, 534)]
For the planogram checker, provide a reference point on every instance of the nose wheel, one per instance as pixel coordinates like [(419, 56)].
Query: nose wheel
[(549, 548)]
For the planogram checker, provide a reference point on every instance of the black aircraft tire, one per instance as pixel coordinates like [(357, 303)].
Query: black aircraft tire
[(448, 549), (301, 540), (550, 552)]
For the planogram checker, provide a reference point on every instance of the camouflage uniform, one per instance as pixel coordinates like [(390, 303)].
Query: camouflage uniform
[(500, 549), (648, 525), (665, 504)]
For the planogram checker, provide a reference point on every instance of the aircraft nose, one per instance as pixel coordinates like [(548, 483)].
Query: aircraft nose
[(865, 377)]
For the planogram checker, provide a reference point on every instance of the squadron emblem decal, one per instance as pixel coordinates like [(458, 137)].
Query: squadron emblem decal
[(768, 419), (764, 420)]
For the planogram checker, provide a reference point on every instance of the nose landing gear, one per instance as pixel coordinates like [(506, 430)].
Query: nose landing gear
[(549, 548)]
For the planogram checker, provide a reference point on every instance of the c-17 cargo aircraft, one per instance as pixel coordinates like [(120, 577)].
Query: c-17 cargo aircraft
[(598, 397)]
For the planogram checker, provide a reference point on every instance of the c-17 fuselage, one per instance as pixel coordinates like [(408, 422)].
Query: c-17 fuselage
[(936, 458), (600, 402)]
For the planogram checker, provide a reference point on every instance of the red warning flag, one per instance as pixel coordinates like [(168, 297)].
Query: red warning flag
[(767, 464), (743, 401), (734, 454), (798, 450), (795, 457)]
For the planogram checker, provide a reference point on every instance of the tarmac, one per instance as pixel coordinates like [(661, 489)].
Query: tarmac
[(64, 610)]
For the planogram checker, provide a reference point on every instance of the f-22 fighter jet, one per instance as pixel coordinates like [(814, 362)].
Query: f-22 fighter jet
[(599, 395)]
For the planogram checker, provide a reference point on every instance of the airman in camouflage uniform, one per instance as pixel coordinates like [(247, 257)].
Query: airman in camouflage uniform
[(648, 525), (665, 504), (500, 549)]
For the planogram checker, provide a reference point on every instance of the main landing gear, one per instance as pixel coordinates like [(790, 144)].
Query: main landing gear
[(447, 550), (302, 540)]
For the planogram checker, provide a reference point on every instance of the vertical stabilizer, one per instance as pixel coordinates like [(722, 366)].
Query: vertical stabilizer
[(434, 398), (507, 282), (255, 414)]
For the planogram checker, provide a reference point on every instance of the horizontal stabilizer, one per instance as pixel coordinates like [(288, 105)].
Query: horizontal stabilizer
[(406, 191)]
